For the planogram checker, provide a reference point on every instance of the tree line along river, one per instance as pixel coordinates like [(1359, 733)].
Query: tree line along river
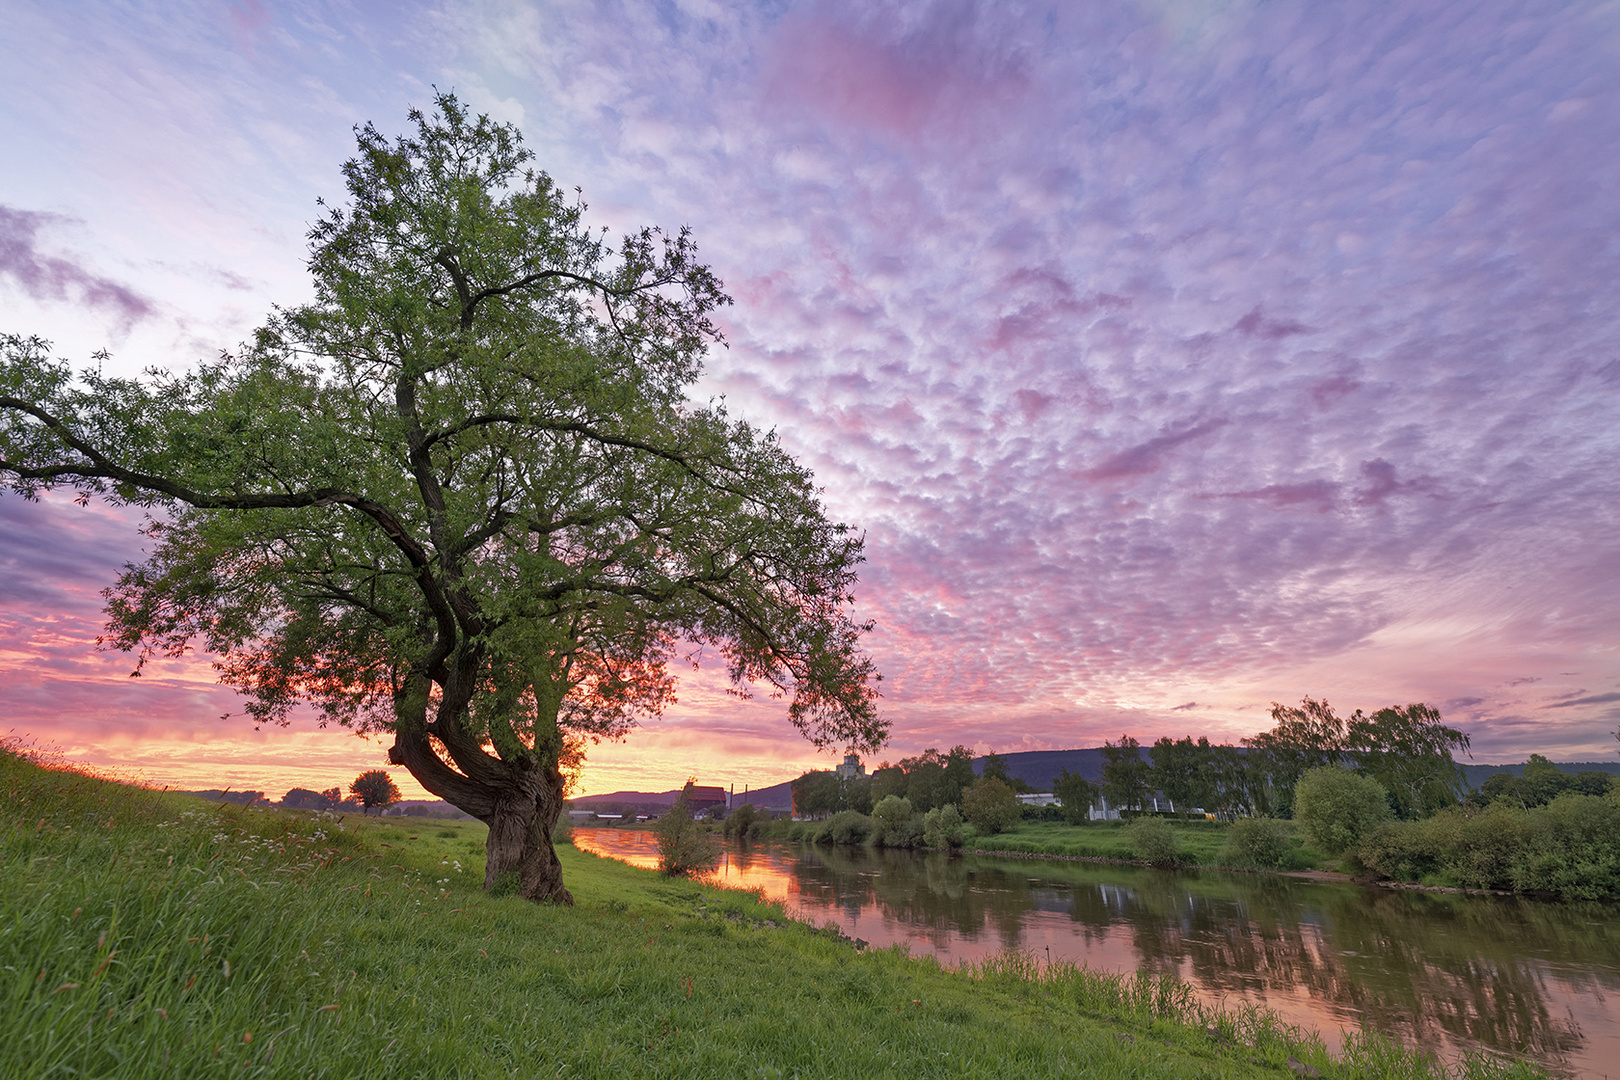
[(1450, 973)]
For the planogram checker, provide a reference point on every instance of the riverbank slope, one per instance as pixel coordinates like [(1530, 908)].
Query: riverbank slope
[(151, 935)]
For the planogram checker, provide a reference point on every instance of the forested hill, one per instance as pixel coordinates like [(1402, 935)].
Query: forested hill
[(1038, 768), (775, 797), (1478, 774)]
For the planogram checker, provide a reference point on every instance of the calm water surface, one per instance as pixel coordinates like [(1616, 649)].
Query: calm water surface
[(1450, 973)]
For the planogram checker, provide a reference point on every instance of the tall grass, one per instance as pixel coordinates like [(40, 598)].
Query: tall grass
[(147, 935)]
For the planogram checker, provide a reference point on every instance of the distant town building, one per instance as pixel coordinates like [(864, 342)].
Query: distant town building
[(707, 797), (851, 768)]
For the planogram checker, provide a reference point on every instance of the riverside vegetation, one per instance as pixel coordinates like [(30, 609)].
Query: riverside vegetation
[(1568, 848), (160, 935), (1375, 795)]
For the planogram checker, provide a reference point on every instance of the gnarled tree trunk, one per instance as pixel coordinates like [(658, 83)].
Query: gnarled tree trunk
[(519, 801), (519, 842)]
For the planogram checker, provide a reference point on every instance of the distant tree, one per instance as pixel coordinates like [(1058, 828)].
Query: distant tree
[(1127, 779), (934, 779), (1594, 782), (1409, 751), (814, 794), (1236, 782), (1541, 783), (887, 780), (1335, 807), (1306, 737), (1503, 787), (684, 846), (895, 824), (1075, 794), (333, 797), (995, 766), (990, 806), (1180, 770), (375, 787), (822, 792), (304, 799)]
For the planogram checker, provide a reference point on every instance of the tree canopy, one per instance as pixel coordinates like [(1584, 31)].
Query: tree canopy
[(375, 787), (462, 495)]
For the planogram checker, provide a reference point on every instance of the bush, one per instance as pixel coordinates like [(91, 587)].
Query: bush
[(1569, 847), (895, 824), (1335, 807), (684, 846), (1573, 849), (1152, 840), (1257, 843), (743, 822), (991, 806), (844, 827), (942, 827), (1403, 850), (562, 832)]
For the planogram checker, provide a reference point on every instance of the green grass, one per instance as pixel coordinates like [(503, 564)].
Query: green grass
[(149, 935), (1200, 842)]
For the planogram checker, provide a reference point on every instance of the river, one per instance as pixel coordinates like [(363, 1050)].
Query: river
[(1453, 974)]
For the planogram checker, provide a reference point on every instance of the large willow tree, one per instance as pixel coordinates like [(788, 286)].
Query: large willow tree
[(462, 497)]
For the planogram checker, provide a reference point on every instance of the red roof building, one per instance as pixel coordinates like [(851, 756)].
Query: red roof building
[(707, 797)]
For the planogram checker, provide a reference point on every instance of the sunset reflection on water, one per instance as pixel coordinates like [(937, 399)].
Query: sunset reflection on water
[(1452, 974)]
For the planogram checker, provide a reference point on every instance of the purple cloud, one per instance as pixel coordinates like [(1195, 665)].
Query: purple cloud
[(1254, 324), (50, 277), (1593, 699), (1147, 457)]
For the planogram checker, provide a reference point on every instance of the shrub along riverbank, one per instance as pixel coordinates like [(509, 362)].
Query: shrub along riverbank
[(149, 935)]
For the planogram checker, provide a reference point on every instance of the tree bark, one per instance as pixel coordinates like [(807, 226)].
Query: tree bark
[(519, 801), (519, 842)]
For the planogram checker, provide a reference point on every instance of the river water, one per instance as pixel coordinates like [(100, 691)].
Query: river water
[(1453, 974)]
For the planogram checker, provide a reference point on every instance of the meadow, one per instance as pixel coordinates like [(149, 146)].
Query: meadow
[(151, 935)]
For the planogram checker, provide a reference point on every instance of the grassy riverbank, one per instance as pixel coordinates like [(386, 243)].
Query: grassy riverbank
[(150, 935), (1198, 842)]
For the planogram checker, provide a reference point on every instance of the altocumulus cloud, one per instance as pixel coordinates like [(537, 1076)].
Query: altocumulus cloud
[(1150, 347), (1165, 353)]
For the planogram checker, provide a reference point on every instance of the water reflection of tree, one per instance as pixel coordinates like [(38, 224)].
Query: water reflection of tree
[(1470, 971)]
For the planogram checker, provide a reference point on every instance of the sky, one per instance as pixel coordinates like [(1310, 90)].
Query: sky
[(1175, 358)]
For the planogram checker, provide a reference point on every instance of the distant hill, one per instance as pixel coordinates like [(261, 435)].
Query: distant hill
[(658, 800), (1478, 774), (776, 797), (1038, 768)]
